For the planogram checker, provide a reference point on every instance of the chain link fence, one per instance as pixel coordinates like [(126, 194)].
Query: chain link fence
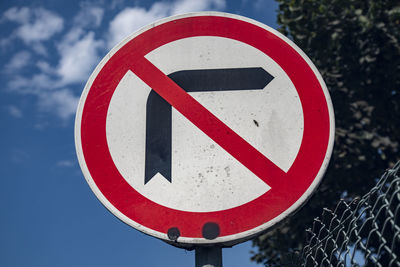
[(362, 232)]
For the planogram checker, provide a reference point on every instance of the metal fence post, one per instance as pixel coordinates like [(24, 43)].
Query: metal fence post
[(208, 256)]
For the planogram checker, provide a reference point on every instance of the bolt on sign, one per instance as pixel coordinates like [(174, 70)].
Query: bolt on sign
[(204, 128)]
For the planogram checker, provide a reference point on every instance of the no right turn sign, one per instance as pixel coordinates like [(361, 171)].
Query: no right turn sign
[(204, 128)]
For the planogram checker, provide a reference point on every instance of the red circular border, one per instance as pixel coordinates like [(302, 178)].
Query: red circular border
[(236, 220)]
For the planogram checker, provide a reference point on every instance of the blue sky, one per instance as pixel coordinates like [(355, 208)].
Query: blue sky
[(49, 215)]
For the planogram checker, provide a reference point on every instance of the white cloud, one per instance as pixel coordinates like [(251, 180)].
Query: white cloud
[(36, 24), (131, 19), (65, 163), (45, 67), (20, 15), (183, 6), (116, 4), (18, 84), (19, 156), (18, 61), (79, 54), (31, 85), (89, 16), (14, 111), (260, 5), (39, 48), (78, 49), (61, 102)]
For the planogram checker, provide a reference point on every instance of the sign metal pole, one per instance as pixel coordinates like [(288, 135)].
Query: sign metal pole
[(208, 256)]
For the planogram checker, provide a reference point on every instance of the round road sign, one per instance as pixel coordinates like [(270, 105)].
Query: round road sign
[(204, 128)]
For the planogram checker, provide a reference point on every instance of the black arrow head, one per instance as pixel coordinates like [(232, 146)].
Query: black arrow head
[(259, 77)]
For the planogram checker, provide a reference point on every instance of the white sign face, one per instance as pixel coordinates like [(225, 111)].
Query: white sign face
[(204, 176), (204, 128)]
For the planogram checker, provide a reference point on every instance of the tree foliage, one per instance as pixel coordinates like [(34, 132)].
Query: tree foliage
[(355, 44)]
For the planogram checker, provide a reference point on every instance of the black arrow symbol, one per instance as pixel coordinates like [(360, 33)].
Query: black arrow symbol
[(159, 112)]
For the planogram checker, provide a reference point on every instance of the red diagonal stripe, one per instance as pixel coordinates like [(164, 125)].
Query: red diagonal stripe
[(245, 153)]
